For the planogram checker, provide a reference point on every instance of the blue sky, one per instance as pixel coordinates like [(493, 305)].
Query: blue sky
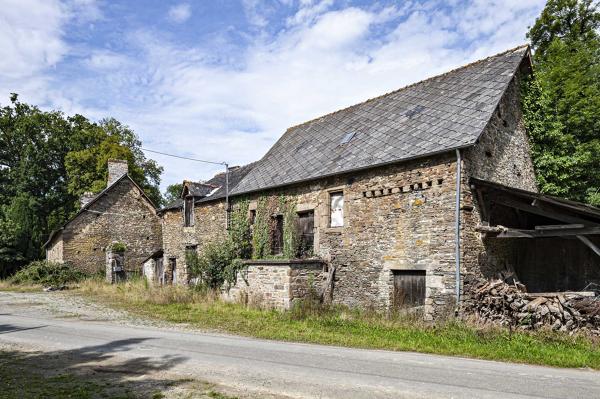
[(222, 80)]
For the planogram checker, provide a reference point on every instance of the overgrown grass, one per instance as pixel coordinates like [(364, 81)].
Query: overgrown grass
[(345, 327), (46, 274)]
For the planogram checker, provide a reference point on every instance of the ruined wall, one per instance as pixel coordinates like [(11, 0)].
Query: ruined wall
[(276, 283), (123, 215), (54, 251), (209, 226), (503, 156)]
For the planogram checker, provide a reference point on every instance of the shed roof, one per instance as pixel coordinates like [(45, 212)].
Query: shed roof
[(436, 115)]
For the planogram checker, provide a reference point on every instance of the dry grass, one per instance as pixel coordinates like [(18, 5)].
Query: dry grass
[(346, 327), (5, 285)]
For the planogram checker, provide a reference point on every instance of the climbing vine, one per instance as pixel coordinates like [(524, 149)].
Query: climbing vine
[(220, 262), (261, 231), (265, 224), (287, 206)]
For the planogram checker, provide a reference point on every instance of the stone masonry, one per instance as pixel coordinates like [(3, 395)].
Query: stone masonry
[(276, 283), (397, 217), (121, 213)]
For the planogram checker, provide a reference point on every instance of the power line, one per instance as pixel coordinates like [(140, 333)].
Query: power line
[(189, 159), (205, 161)]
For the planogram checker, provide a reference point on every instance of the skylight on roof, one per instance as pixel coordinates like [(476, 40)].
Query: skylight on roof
[(348, 137)]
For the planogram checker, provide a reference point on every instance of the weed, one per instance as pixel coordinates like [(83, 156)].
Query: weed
[(309, 321)]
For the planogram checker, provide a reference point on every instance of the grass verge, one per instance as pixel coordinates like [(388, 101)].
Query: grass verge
[(351, 328)]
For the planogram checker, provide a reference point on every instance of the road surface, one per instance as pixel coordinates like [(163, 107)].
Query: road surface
[(287, 369)]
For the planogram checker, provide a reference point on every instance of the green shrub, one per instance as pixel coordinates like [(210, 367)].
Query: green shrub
[(218, 265), (118, 247), (47, 273)]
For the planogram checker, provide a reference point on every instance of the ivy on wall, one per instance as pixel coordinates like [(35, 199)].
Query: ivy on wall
[(265, 224), (287, 207)]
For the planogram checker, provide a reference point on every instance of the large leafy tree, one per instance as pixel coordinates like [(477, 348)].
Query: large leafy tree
[(46, 161), (562, 102)]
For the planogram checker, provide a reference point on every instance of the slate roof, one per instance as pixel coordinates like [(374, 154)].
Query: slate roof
[(236, 173), (198, 189), (84, 208), (436, 115)]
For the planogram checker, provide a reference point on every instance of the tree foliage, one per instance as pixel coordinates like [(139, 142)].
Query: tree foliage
[(562, 104), (172, 193), (47, 160)]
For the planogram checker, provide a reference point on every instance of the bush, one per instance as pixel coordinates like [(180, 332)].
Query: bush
[(47, 273), (218, 264)]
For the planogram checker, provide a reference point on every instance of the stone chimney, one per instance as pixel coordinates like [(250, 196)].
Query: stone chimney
[(86, 197), (116, 169)]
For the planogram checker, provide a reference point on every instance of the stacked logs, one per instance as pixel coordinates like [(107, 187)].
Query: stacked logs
[(510, 305)]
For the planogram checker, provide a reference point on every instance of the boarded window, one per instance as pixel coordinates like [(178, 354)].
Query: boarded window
[(337, 209), (277, 235), (409, 288), (188, 211), (306, 233)]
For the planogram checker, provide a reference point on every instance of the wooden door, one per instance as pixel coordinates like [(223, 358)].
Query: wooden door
[(409, 288), (159, 272)]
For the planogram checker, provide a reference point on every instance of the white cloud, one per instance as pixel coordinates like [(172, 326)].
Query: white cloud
[(105, 59), (179, 100), (180, 13), (30, 36)]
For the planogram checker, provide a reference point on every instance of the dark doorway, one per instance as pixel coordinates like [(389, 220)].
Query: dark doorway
[(306, 233), (409, 289), (277, 238)]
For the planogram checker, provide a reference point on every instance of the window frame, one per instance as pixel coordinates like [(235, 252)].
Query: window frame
[(309, 249), (332, 194)]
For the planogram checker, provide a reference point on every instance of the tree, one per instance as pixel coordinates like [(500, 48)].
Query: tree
[(564, 20), (87, 168), (562, 104), (46, 161), (173, 193)]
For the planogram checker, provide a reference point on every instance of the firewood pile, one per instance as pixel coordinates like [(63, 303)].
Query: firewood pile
[(506, 304)]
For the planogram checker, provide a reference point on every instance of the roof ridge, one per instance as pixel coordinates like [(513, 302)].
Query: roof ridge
[(408, 86)]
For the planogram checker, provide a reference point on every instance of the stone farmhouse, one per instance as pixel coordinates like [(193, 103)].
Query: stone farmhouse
[(388, 204), (399, 198), (120, 213)]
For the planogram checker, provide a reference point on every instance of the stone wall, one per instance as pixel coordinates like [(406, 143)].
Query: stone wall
[(209, 226), (54, 250), (396, 217), (503, 156), (276, 283), (123, 215)]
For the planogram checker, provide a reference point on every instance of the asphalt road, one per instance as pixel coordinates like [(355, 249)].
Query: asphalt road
[(295, 370)]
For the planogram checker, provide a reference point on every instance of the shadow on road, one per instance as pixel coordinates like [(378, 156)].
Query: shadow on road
[(9, 328), (90, 371)]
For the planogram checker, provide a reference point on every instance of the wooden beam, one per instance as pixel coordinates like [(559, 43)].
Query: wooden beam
[(483, 206), (545, 231), (590, 244), (560, 226), (535, 208)]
